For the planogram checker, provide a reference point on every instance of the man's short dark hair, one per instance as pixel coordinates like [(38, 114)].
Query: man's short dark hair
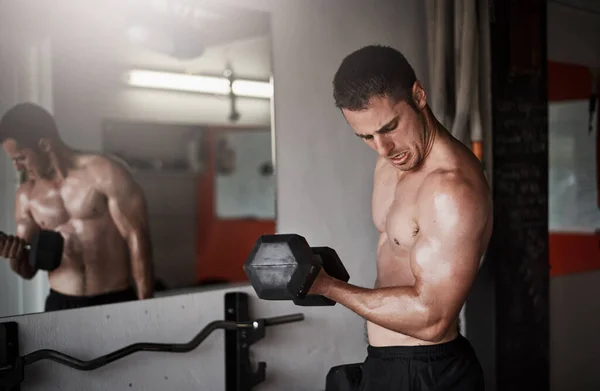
[(27, 124), (372, 71)]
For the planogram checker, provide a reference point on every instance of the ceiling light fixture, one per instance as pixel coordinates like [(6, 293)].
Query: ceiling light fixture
[(198, 83)]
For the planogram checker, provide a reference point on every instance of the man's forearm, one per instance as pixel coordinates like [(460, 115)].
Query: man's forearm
[(143, 280), (145, 287), (399, 309), (23, 268), (142, 266)]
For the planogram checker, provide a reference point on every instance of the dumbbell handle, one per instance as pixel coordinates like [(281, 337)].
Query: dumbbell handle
[(315, 268)]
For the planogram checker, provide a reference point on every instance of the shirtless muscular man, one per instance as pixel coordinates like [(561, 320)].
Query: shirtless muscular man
[(433, 208), (91, 200)]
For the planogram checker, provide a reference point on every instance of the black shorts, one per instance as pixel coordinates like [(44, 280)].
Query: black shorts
[(57, 301), (451, 366)]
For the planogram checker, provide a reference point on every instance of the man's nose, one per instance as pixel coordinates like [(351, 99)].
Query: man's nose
[(383, 146), (18, 166)]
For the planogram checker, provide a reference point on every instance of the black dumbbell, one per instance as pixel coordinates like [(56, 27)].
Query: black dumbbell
[(44, 250), (284, 267)]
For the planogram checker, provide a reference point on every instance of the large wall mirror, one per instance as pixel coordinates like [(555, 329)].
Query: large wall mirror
[(139, 131)]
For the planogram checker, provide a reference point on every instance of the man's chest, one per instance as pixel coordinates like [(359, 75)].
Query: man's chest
[(397, 221), (54, 203), (395, 210)]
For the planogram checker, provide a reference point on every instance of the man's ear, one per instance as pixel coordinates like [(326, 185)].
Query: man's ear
[(419, 95), (45, 145)]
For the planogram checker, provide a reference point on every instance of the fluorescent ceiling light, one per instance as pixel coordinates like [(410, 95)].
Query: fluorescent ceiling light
[(259, 89), (197, 83)]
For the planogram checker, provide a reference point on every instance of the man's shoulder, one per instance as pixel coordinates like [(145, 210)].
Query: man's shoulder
[(104, 172), (24, 190), (456, 185), (452, 203), (100, 164), (445, 179), (383, 168)]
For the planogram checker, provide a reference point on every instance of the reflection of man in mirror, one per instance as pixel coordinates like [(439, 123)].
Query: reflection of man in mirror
[(91, 200)]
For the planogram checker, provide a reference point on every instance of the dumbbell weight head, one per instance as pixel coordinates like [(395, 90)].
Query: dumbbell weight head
[(273, 262), (45, 250), (284, 267)]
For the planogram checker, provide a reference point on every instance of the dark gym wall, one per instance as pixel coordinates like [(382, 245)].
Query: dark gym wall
[(507, 312), (519, 246)]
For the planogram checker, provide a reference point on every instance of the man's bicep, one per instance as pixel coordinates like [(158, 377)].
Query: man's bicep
[(446, 254), (128, 207), (126, 200)]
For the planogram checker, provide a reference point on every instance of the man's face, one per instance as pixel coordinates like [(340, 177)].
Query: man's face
[(28, 160), (396, 131)]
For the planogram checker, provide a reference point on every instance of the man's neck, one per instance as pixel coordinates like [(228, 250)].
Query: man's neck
[(430, 134), (61, 161), (431, 131)]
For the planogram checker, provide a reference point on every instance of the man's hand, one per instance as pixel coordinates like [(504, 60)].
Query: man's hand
[(12, 247), (322, 284)]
